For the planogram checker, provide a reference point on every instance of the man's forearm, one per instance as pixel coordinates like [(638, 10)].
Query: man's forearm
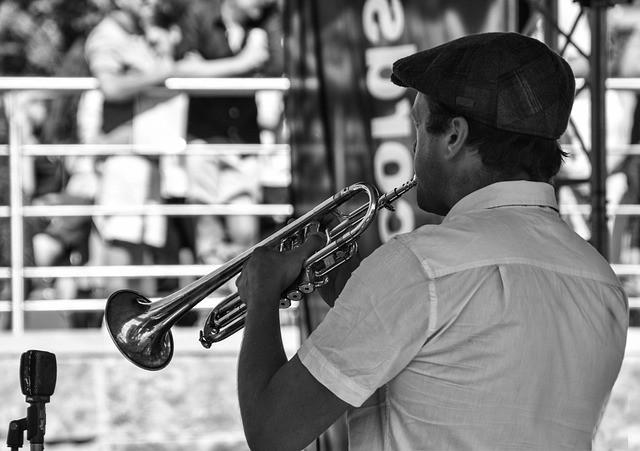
[(119, 88), (283, 406), (261, 356)]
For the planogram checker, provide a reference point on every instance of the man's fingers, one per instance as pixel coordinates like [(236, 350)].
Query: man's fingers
[(311, 245)]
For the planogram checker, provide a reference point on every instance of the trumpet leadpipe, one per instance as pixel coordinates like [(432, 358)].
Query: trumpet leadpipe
[(385, 201)]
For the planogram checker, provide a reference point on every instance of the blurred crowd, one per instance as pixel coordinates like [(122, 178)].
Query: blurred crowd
[(135, 47)]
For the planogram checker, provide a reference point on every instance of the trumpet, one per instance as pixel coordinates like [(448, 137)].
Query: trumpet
[(141, 329)]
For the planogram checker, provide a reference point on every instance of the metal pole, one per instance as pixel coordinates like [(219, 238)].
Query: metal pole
[(598, 154), (551, 31), (17, 232)]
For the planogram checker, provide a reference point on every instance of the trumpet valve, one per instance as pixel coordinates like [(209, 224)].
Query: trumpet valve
[(292, 295), (307, 288), (303, 285)]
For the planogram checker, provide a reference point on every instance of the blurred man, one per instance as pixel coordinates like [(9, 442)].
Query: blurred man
[(126, 65)]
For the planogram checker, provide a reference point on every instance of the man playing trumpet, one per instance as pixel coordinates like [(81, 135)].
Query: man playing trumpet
[(500, 328)]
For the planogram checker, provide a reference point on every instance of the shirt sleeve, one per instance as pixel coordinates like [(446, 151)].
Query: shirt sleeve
[(377, 325), (102, 49)]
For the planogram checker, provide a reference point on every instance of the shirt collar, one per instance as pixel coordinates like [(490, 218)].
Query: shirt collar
[(505, 194)]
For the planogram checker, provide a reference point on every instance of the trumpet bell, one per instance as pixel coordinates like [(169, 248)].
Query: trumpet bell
[(135, 331)]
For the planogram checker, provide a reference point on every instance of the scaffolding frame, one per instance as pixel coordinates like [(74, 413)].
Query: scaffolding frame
[(597, 83)]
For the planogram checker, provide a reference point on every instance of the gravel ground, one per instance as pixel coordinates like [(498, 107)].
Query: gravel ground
[(104, 403)]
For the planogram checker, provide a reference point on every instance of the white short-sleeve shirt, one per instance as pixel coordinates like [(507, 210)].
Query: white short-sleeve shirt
[(498, 329)]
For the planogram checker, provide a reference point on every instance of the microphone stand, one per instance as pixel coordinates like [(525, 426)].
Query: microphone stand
[(15, 437), (37, 380)]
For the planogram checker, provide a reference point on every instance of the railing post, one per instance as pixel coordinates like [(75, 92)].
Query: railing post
[(598, 153), (17, 222)]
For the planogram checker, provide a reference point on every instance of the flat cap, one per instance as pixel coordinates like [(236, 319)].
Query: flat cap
[(506, 80)]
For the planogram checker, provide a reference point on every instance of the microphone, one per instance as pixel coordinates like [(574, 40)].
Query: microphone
[(38, 374)]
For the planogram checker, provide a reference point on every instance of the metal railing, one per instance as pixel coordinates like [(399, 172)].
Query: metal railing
[(17, 211), (13, 88)]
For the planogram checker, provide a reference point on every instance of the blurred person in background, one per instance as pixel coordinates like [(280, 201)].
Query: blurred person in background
[(164, 35), (36, 36), (28, 112), (66, 240), (126, 65), (225, 38)]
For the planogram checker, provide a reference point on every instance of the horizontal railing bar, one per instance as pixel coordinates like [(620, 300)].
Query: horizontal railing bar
[(212, 149), (152, 150), (631, 84), (210, 86), (584, 209), (625, 269), (86, 305), (213, 85), (97, 305), (171, 271), (118, 271), (155, 210), (230, 209), (228, 85), (627, 84), (48, 83), (618, 149)]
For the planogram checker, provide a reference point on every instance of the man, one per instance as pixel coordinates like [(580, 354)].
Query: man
[(498, 329), (126, 65)]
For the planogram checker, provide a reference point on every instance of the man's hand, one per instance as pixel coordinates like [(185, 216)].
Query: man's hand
[(339, 276), (282, 405), (269, 272)]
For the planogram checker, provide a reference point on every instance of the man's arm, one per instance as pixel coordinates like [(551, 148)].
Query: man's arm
[(123, 87), (254, 54), (282, 405)]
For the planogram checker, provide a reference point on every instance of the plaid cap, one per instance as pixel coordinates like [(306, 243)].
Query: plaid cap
[(506, 80)]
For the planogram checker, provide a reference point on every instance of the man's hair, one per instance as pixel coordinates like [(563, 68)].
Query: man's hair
[(504, 153)]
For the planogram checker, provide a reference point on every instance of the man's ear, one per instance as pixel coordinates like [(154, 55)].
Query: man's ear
[(457, 136)]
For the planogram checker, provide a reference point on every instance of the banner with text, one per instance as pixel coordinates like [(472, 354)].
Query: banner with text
[(348, 122)]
